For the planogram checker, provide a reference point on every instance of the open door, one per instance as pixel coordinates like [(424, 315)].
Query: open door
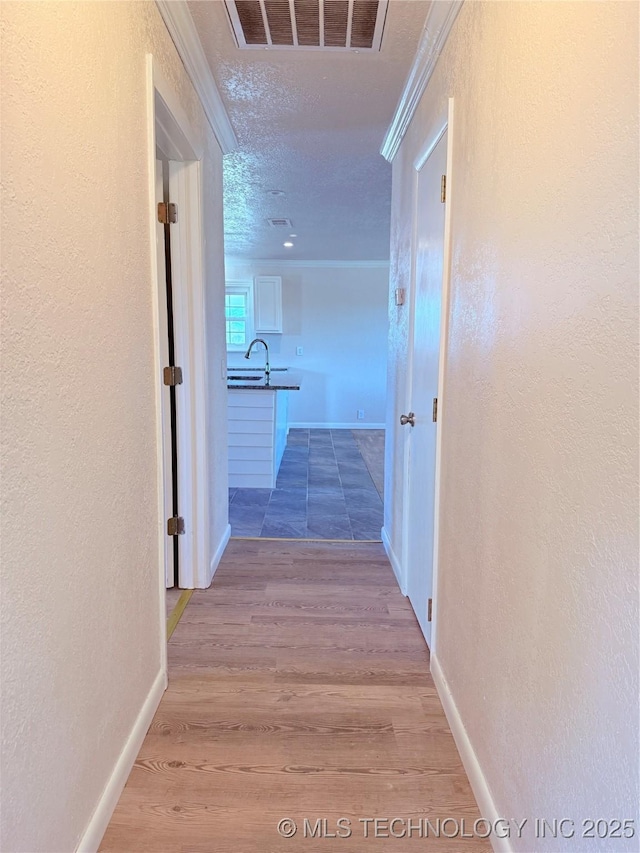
[(181, 352), (168, 400)]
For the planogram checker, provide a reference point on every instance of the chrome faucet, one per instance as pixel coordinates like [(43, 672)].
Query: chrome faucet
[(267, 369)]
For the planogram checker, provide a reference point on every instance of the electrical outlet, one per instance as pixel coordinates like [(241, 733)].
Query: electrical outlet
[(360, 414), (299, 350)]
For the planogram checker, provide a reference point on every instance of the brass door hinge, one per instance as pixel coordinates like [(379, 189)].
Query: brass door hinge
[(175, 525), (443, 189), (172, 375), (435, 409), (167, 212), (429, 609)]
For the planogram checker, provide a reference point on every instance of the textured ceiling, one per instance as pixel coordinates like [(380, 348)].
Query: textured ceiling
[(309, 123)]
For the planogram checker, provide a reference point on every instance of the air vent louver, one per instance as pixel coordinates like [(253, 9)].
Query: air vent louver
[(307, 13), (308, 24), (250, 18), (336, 21), (280, 223), (363, 23)]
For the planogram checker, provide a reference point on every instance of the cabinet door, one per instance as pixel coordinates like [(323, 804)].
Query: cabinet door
[(268, 304)]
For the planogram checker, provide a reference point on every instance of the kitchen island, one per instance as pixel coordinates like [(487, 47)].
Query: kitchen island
[(258, 424)]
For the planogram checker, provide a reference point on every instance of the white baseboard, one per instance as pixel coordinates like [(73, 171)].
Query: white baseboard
[(90, 841), (215, 560), (395, 563), (356, 425), (477, 780)]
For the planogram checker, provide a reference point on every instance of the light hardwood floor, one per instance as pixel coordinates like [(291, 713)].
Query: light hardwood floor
[(299, 688)]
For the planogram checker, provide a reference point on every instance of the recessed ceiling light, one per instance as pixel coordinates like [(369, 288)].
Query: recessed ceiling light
[(275, 193), (288, 245), (293, 235)]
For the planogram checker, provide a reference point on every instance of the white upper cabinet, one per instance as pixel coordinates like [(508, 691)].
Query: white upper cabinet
[(268, 304)]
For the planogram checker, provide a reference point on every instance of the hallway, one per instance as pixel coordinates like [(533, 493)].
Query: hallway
[(299, 688)]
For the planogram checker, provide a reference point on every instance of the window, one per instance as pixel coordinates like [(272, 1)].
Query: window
[(238, 311)]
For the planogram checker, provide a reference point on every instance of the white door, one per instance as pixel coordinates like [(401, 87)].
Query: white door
[(430, 222)]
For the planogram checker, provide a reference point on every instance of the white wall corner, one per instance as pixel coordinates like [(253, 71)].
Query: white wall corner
[(90, 841), (178, 20), (393, 559), (440, 19), (215, 560), (477, 780)]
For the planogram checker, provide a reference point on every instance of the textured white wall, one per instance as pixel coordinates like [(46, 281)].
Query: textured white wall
[(80, 610), (339, 316), (538, 600)]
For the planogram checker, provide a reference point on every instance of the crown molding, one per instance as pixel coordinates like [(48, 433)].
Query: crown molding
[(290, 264), (442, 14), (178, 20)]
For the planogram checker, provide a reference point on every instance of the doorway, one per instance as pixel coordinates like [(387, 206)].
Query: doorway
[(428, 345), (309, 464), (163, 247), (180, 369)]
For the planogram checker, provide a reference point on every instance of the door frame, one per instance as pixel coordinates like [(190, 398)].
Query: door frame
[(441, 123), (170, 129)]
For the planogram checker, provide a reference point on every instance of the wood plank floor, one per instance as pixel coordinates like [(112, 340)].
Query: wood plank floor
[(299, 688)]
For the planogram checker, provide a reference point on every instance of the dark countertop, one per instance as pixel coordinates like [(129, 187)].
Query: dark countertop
[(279, 380)]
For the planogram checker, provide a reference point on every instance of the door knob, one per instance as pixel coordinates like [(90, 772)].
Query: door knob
[(408, 419)]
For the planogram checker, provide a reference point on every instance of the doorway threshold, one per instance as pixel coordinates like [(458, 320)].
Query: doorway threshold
[(178, 610), (296, 539)]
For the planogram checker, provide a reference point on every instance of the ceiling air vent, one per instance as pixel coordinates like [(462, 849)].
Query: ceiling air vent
[(280, 223), (308, 24)]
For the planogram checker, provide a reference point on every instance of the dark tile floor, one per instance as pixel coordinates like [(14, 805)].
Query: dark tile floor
[(323, 491)]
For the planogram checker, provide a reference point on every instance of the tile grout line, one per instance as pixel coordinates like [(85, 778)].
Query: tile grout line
[(327, 452), (344, 497), (366, 468), (306, 510)]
